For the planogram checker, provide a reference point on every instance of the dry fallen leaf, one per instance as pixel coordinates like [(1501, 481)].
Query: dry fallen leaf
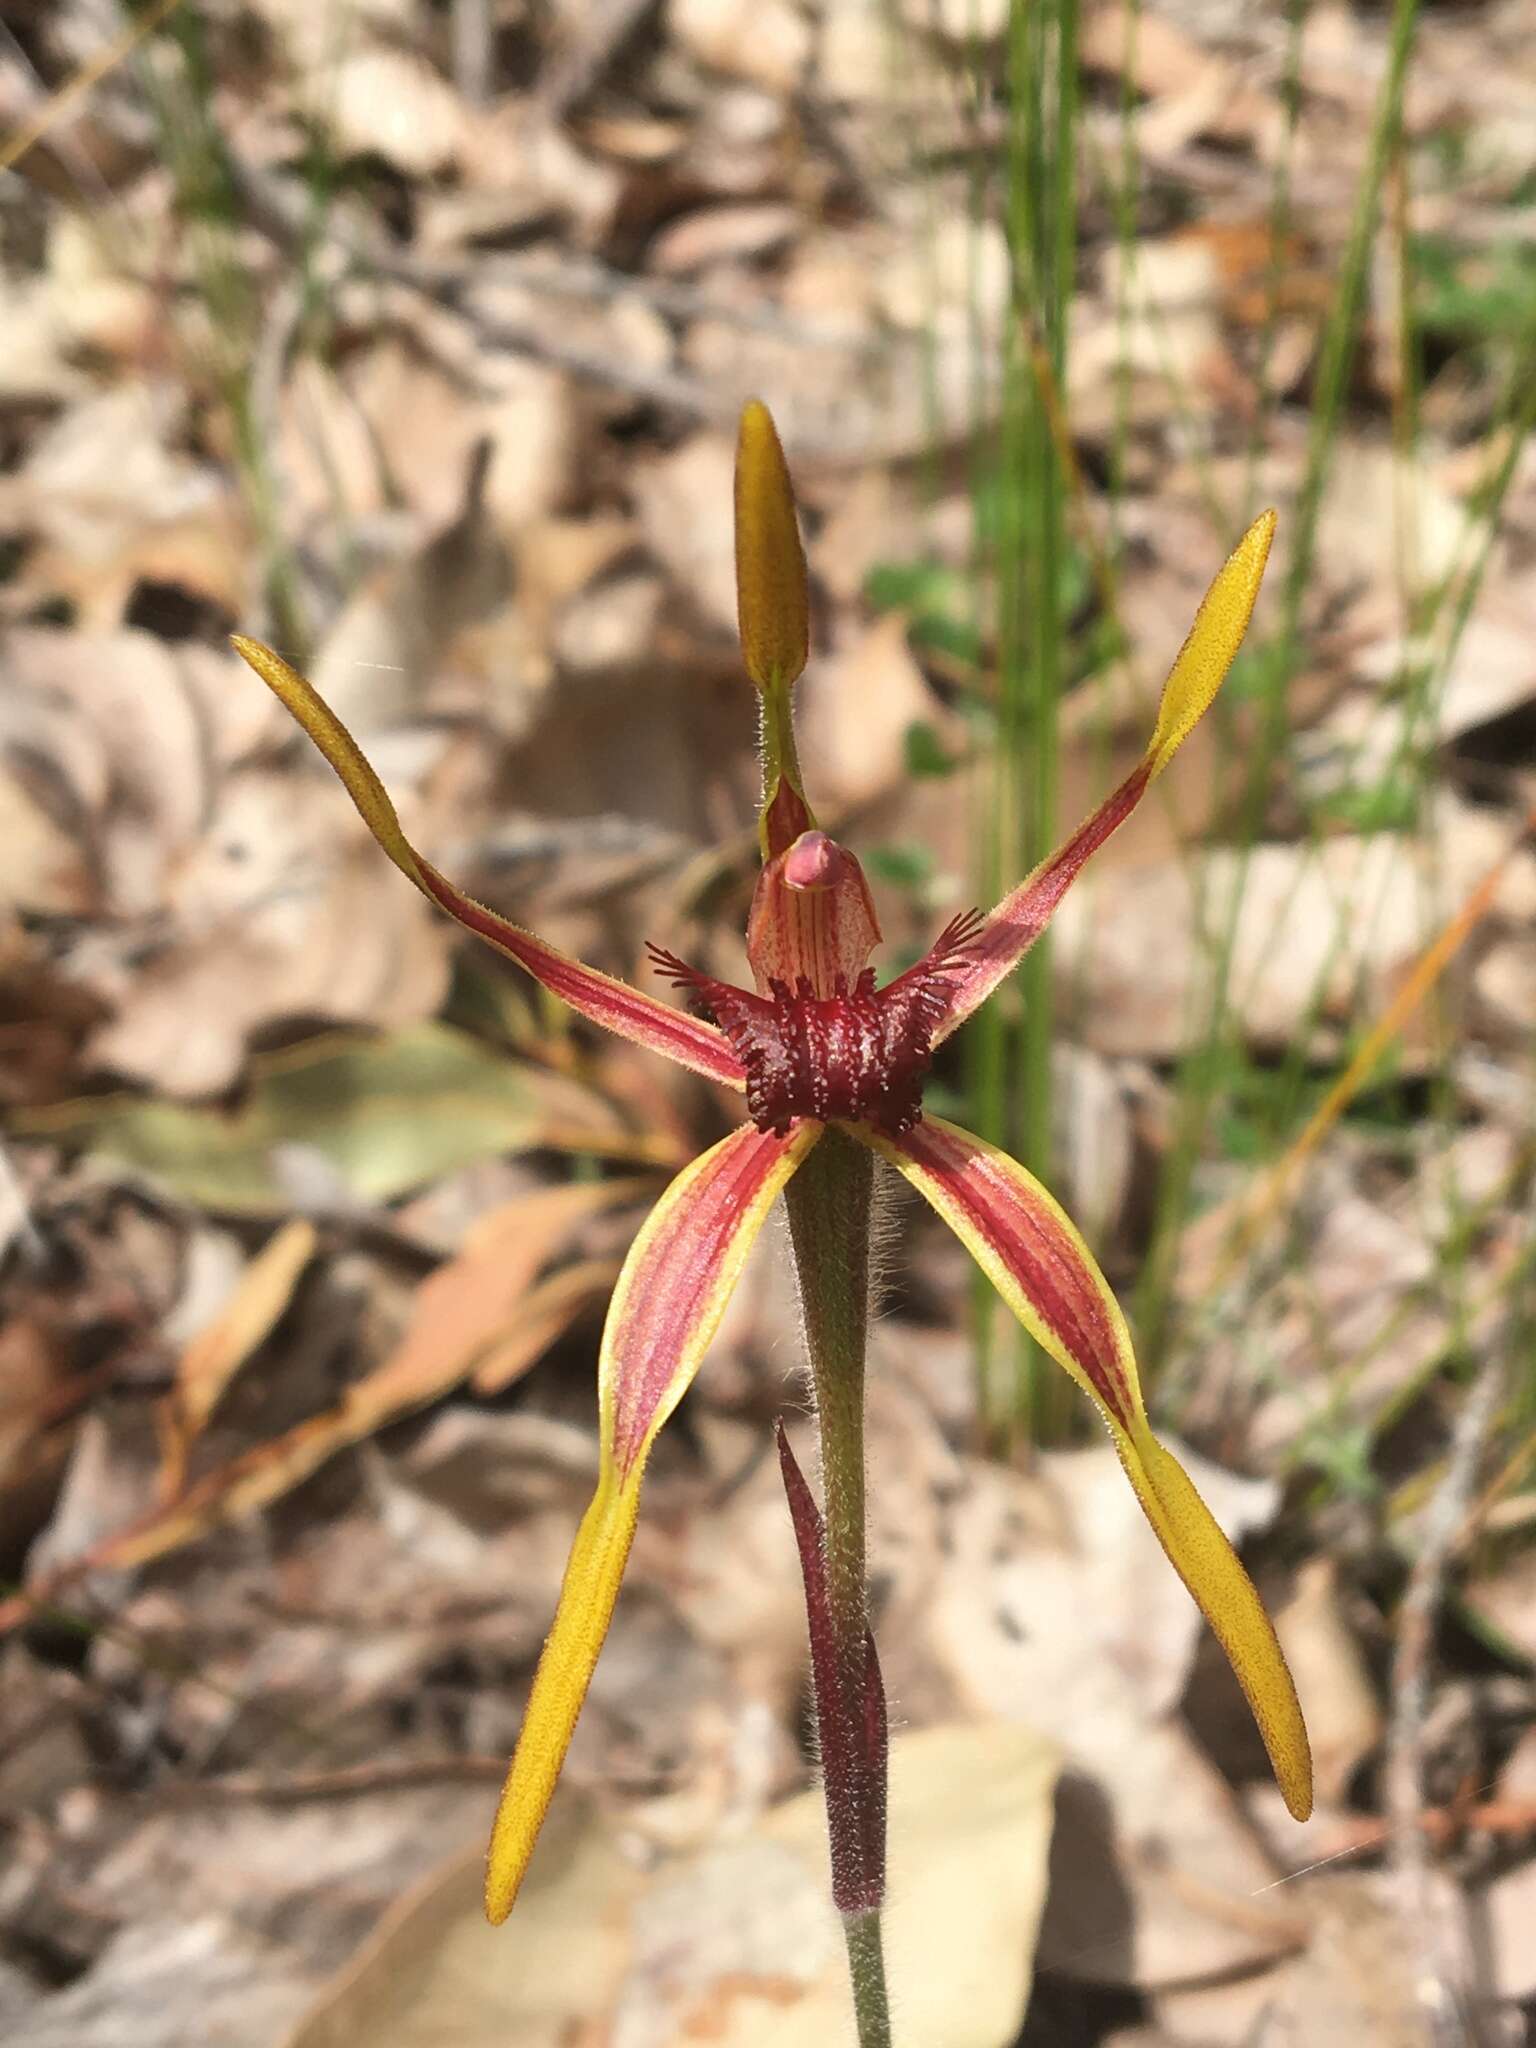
[(339, 1121), (1344, 1719), (35, 1395), (1509, 1904), (1320, 930), (391, 103), (858, 705), (217, 1353), (460, 1317), (765, 41), (546, 1312), (679, 498), (1504, 1601), (1360, 1978), (1056, 1603), (108, 495), (388, 643), (436, 1972), (738, 1947)]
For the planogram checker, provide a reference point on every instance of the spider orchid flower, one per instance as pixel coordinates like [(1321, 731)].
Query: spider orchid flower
[(831, 1063)]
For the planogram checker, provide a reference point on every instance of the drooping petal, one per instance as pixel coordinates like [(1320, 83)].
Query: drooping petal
[(813, 918), (1029, 1249), (614, 1004), (1007, 934), (671, 1295)]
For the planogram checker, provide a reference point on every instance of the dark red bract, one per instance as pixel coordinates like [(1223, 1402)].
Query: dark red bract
[(856, 1056)]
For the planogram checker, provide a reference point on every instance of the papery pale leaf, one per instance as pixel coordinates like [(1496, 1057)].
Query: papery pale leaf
[(1008, 932), (1029, 1249), (613, 1004), (673, 1290)]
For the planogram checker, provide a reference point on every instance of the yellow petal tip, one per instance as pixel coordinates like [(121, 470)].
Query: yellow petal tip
[(772, 607), (1204, 1558)]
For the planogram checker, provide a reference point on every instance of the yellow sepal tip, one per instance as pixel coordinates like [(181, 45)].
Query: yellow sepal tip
[(772, 607), (311, 711), (1212, 643)]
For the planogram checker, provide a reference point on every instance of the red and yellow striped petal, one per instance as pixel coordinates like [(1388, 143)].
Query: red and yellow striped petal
[(1013, 927), (666, 1308), (1029, 1249), (614, 1004)]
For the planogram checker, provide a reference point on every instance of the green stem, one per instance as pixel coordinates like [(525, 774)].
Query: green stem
[(866, 1970), (829, 1215), (829, 1203)]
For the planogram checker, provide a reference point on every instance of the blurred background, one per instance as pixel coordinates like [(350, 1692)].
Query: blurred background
[(410, 335)]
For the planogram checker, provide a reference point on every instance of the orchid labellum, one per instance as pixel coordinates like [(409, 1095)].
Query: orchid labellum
[(831, 1065)]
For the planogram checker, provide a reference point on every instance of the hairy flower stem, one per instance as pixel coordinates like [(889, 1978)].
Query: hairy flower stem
[(829, 1204), (866, 1969)]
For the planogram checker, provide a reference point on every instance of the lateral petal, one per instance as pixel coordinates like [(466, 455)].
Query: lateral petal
[(1007, 933), (673, 1290), (1033, 1254), (611, 1003)]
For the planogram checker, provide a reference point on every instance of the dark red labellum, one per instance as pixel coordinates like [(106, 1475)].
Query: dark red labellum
[(857, 1056)]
